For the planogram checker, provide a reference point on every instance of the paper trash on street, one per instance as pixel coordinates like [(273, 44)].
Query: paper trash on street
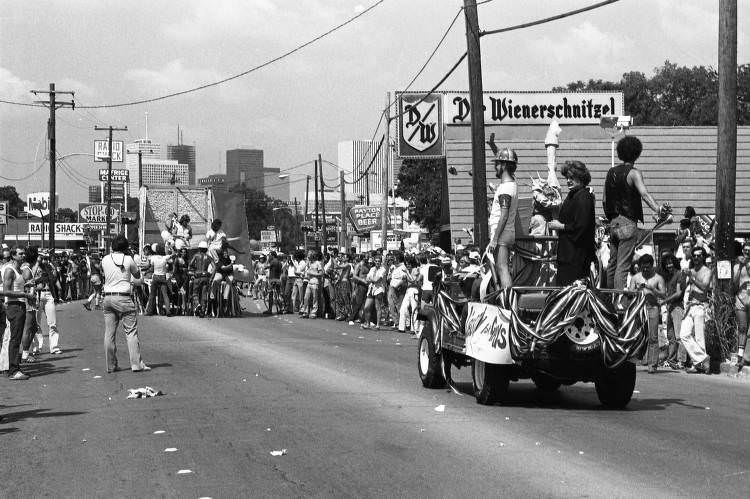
[(138, 393), (281, 452)]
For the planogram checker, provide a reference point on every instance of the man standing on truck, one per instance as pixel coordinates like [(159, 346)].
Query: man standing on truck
[(624, 189), (502, 222)]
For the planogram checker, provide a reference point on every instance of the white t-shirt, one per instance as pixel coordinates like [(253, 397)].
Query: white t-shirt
[(160, 264), (509, 233), (215, 238), (118, 269)]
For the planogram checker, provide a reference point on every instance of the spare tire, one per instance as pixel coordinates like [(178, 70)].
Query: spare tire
[(581, 335)]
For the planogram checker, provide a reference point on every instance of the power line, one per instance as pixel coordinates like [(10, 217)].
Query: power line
[(548, 19), (27, 176), (244, 73)]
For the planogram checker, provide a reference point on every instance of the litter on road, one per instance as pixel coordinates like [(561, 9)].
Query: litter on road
[(440, 408), (281, 452), (137, 393)]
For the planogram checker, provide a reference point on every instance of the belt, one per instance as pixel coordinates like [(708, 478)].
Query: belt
[(117, 294)]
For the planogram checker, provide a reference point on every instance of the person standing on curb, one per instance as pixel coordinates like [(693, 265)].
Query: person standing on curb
[(692, 329), (119, 271), (44, 277), (15, 309)]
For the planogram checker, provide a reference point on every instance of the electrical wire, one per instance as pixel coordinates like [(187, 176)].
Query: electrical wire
[(44, 162), (244, 73), (547, 19), (64, 168)]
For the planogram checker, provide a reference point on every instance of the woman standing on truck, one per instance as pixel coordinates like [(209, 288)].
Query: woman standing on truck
[(576, 247)]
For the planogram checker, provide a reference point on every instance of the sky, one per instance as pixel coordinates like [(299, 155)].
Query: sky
[(112, 52)]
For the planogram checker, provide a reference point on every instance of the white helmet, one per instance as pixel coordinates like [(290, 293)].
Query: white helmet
[(154, 246), (203, 245)]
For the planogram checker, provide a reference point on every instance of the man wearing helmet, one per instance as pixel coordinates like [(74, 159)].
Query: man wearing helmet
[(503, 212), (201, 267)]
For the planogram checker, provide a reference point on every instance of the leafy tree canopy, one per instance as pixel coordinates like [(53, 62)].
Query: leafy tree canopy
[(674, 95), (420, 182), (15, 203)]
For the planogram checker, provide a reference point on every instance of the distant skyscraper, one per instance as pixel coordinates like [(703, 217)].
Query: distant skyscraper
[(354, 159), (183, 153), (274, 186), (149, 150), (245, 166)]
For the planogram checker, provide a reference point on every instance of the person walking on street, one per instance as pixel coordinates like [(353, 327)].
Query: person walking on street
[(624, 189), (648, 281), (397, 288), (119, 308), (16, 297), (44, 276)]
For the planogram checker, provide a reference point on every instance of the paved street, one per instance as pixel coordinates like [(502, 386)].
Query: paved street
[(348, 407)]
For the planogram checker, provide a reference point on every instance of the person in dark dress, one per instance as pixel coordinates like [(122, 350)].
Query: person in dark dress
[(576, 248)]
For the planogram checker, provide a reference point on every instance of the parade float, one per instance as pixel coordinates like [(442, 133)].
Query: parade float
[(533, 330)]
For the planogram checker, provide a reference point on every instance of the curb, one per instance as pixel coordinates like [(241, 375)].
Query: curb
[(727, 368)]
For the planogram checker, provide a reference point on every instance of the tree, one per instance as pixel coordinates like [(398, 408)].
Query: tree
[(65, 215), (15, 203), (260, 213), (420, 182), (674, 96)]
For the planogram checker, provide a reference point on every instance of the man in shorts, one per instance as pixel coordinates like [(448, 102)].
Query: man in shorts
[(503, 214)]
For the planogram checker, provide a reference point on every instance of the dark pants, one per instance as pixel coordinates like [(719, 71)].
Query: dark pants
[(16, 313), (200, 287), (358, 300), (567, 273), (30, 329), (288, 288), (158, 284)]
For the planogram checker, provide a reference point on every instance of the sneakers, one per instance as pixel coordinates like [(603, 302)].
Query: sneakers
[(18, 376), (56, 351), (143, 368), (700, 368), (30, 359)]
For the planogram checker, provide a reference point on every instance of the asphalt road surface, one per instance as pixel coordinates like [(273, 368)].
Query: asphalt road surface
[(349, 410)]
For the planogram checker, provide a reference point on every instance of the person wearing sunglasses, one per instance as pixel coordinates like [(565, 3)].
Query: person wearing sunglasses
[(692, 330), (741, 278)]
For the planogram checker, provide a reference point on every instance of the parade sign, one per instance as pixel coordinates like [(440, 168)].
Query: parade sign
[(366, 218), (3, 213), (530, 108), (37, 203), (420, 125), (101, 150), (118, 175)]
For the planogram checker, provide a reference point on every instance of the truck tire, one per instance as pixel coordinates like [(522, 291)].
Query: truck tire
[(615, 386), (545, 383), (490, 382), (429, 363)]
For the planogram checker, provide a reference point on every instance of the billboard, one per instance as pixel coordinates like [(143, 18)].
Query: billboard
[(101, 150), (118, 175), (94, 215), (366, 218), (420, 125), (37, 203)]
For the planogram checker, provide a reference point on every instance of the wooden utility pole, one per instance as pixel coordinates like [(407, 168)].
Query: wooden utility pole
[(386, 165), (478, 160), (307, 209), (317, 226), (343, 239), (323, 203), (111, 129), (726, 143), (53, 104)]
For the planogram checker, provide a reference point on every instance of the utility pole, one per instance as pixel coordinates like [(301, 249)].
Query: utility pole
[(343, 240), (317, 222), (53, 104), (726, 140), (323, 202), (307, 207), (478, 159), (111, 129), (384, 213)]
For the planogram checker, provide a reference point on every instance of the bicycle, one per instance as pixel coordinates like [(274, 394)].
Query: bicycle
[(274, 297)]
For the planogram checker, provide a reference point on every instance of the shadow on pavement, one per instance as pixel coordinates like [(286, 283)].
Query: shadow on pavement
[(565, 398), (14, 417), (4, 431), (38, 369)]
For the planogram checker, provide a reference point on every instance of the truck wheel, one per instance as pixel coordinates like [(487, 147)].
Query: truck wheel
[(545, 383), (490, 382), (429, 362), (582, 336), (615, 386)]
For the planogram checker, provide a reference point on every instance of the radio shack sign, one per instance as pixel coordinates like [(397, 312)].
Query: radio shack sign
[(101, 150), (118, 175), (63, 231)]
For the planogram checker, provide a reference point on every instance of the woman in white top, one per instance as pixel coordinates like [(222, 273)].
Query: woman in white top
[(215, 237), (159, 284)]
